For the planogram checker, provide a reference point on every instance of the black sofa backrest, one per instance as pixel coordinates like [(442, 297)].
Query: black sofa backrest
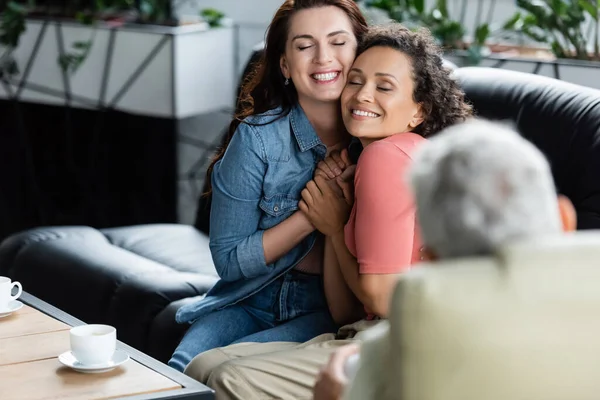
[(560, 118)]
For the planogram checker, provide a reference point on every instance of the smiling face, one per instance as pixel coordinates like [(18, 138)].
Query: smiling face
[(319, 52), (377, 101)]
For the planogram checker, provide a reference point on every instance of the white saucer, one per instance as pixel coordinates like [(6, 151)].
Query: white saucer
[(67, 358), (12, 307)]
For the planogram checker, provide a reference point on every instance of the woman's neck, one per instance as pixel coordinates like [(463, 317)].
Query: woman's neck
[(326, 120), (366, 142)]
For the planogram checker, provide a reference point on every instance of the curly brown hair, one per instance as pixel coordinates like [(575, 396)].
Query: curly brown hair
[(442, 100)]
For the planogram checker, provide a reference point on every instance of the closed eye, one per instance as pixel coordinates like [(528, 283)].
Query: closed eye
[(301, 48), (384, 89), (339, 44)]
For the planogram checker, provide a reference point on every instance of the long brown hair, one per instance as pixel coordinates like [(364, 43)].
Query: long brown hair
[(264, 88)]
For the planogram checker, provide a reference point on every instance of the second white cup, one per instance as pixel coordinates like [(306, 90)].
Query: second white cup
[(93, 344)]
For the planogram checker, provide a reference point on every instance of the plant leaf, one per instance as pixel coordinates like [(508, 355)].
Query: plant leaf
[(212, 16), (512, 23), (12, 24), (419, 6), (557, 49), (590, 7), (85, 18), (481, 34), (80, 45), (442, 5)]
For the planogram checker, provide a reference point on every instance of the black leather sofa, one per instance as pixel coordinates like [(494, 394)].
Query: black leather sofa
[(136, 277)]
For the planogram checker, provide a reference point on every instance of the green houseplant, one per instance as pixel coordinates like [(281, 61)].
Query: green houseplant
[(414, 13), (13, 25), (449, 31), (564, 25), (13, 14), (212, 16), (569, 28)]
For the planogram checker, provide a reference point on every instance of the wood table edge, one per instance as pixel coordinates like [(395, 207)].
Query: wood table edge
[(190, 388)]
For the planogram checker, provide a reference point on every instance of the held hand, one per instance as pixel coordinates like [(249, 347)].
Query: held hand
[(333, 166), (326, 209), (345, 183), (332, 380)]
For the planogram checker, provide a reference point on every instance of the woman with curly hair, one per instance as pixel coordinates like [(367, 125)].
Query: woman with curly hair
[(397, 94)]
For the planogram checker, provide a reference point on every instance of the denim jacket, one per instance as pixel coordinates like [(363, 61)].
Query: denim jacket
[(256, 185)]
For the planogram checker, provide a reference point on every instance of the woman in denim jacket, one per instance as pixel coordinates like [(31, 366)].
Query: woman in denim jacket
[(266, 251)]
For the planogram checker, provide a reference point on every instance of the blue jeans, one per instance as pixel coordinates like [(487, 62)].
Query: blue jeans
[(293, 308)]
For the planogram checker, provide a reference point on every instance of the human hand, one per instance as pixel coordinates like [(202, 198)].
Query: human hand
[(333, 165), (332, 379), (325, 207), (345, 183)]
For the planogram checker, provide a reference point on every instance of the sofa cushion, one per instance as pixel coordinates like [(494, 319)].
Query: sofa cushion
[(182, 247)]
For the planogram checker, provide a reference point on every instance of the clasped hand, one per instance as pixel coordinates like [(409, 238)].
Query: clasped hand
[(327, 199)]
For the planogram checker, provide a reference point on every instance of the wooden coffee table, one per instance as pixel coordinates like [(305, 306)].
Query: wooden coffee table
[(31, 341)]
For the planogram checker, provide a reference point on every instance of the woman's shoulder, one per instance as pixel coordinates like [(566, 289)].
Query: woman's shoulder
[(395, 147), (406, 142), (266, 118), (270, 132)]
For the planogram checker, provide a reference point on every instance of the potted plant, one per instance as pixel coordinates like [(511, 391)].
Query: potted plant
[(112, 13), (449, 31), (557, 38), (564, 26), (62, 35)]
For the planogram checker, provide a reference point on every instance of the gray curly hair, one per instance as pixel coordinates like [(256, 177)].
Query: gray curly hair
[(479, 185)]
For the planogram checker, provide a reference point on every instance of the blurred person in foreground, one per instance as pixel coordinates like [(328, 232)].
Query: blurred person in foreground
[(478, 186)]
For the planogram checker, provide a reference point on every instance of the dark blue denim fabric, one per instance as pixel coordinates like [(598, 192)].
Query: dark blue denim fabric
[(292, 308), (256, 185)]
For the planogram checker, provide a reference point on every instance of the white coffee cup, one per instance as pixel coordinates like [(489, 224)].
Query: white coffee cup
[(6, 296), (93, 344)]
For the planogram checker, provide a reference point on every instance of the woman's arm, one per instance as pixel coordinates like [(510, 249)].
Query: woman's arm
[(384, 227), (343, 304), (373, 291), (240, 250), (384, 224), (328, 212), (280, 239)]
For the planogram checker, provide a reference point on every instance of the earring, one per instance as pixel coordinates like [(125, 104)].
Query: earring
[(287, 81)]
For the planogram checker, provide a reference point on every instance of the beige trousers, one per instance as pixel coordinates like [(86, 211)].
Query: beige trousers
[(276, 370)]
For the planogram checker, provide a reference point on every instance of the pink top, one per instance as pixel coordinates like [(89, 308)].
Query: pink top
[(382, 232)]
